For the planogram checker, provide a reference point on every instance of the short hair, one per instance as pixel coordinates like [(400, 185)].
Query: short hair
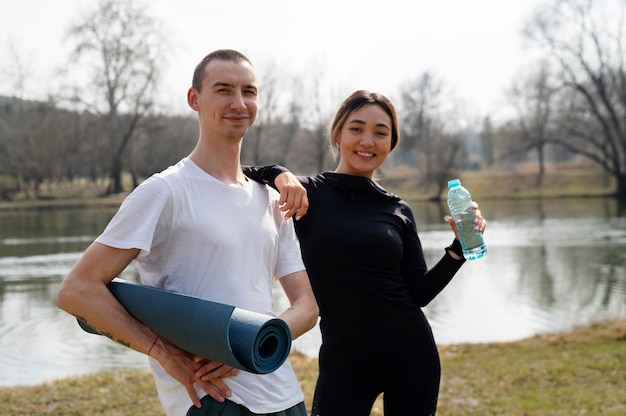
[(220, 54), (357, 100)]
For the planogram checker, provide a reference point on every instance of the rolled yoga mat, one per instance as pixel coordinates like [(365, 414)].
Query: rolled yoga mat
[(247, 340)]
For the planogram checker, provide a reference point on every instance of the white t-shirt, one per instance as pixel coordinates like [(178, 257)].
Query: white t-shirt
[(202, 237)]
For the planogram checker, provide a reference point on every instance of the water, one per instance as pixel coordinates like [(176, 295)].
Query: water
[(552, 265), (472, 241)]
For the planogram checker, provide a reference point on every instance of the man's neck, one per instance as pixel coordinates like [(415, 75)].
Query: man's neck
[(220, 160)]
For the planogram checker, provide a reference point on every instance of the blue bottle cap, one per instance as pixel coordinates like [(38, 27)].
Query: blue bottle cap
[(454, 182)]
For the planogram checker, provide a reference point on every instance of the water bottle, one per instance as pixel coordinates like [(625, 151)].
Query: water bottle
[(460, 204)]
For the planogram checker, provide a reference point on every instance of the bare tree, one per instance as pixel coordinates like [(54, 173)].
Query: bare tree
[(533, 98), (161, 141), (287, 133), (259, 139), (16, 71), (122, 45), (304, 137), (293, 126), (13, 120), (33, 145), (420, 103), (426, 141), (319, 121), (585, 38), (487, 141)]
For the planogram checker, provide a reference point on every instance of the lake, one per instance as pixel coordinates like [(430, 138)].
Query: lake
[(550, 265)]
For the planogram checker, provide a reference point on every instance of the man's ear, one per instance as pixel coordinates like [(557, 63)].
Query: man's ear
[(192, 98)]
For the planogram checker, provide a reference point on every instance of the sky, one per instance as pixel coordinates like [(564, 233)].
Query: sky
[(474, 47)]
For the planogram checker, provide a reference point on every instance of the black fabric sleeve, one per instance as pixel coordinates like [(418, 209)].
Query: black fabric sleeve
[(264, 174), (425, 284), (438, 277), (456, 248)]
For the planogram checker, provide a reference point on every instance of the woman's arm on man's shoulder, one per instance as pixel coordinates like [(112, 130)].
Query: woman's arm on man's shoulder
[(293, 197)]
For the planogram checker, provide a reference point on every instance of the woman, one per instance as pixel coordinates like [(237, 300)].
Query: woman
[(365, 261)]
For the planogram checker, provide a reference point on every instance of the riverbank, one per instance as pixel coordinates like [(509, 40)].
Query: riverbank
[(561, 181), (578, 372)]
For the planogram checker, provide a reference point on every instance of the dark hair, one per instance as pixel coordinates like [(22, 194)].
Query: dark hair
[(221, 54), (357, 100)]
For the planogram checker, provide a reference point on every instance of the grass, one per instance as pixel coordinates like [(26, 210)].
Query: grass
[(560, 181), (576, 373), (582, 372)]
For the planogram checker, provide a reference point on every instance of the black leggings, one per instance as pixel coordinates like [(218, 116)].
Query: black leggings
[(352, 377)]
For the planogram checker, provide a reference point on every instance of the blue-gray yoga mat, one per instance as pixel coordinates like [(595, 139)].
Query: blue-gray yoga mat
[(247, 340)]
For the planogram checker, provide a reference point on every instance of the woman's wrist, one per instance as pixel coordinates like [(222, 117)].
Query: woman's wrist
[(455, 250)]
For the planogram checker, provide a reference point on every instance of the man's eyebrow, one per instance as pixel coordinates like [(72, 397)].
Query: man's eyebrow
[(222, 84), (229, 85)]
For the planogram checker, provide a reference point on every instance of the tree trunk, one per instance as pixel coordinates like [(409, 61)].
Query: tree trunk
[(115, 187), (541, 161), (621, 186)]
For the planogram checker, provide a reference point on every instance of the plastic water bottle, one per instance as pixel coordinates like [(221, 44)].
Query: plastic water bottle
[(460, 204)]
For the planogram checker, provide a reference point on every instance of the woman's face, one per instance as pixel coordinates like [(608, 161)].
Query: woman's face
[(364, 141)]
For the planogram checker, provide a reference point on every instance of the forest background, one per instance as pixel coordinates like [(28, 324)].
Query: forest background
[(567, 113)]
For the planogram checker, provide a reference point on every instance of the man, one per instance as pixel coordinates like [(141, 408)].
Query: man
[(203, 229)]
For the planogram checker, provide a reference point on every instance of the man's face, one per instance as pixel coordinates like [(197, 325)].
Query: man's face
[(228, 102)]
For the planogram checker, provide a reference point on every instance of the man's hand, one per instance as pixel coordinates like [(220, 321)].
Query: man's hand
[(213, 371), (189, 370), (293, 197)]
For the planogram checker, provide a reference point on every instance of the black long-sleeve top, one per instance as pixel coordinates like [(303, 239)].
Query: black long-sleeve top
[(364, 258)]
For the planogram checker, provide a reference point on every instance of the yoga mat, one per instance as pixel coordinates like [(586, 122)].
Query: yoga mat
[(247, 340)]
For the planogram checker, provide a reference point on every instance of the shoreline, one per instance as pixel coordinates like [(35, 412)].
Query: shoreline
[(565, 182), (113, 202)]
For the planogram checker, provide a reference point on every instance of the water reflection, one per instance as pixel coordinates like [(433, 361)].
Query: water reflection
[(551, 265)]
